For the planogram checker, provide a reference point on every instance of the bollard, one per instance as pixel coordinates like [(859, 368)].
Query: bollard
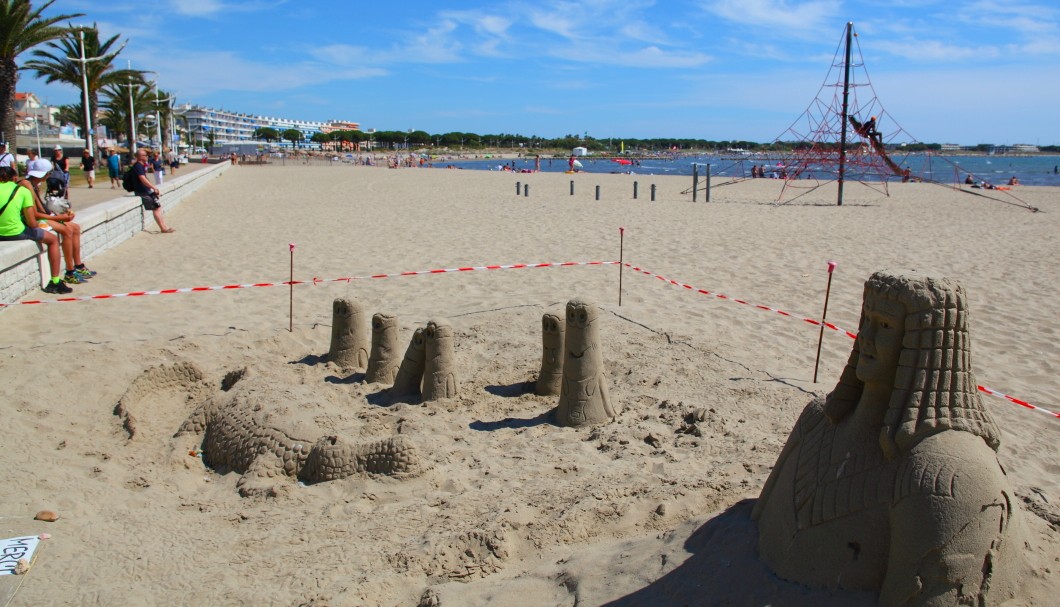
[(572, 187), (598, 192), (653, 192), (526, 190), (708, 182), (634, 190), (518, 188), (695, 181)]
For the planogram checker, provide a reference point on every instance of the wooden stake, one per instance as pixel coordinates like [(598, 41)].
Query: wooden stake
[(820, 336), (290, 286), (621, 258)]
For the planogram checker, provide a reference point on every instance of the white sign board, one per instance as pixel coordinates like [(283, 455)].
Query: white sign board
[(14, 549)]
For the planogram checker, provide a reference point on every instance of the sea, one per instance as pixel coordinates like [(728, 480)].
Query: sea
[(1029, 170)]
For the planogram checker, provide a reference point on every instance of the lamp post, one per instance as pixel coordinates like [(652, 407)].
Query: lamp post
[(158, 116), (84, 89)]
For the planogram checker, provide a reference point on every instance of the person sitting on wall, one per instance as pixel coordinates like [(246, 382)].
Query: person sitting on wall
[(61, 223), (17, 213)]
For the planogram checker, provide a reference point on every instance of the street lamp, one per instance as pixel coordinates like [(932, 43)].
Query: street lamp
[(84, 88), (158, 117)]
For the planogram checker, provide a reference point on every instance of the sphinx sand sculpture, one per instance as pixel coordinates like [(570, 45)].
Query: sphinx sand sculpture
[(550, 378), (267, 436), (349, 340), (892, 482), (385, 358), (410, 373), (439, 370), (584, 396)]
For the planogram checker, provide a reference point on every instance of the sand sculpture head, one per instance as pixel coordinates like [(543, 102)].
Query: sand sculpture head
[(892, 483), (550, 377), (410, 373), (914, 335), (384, 359), (584, 395), (439, 373), (349, 340)]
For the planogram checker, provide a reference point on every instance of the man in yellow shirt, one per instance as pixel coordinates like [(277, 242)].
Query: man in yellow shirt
[(17, 211)]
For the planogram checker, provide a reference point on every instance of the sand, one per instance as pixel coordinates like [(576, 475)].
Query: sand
[(510, 509)]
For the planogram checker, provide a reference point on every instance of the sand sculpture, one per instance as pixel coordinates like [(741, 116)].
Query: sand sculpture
[(439, 370), (246, 431), (584, 397), (349, 341), (384, 359), (410, 373), (550, 379), (891, 482)]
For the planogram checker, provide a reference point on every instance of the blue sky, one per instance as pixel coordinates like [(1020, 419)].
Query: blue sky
[(983, 71)]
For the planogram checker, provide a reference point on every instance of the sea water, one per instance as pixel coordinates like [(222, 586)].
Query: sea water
[(1029, 170)]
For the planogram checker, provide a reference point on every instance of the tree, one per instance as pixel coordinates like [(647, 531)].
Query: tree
[(54, 64), (70, 114), (292, 135), (321, 138), (266, 134), (21, 28), (211, 138), (115, 107)]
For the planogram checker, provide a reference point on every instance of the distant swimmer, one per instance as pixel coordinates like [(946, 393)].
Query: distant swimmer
[(968, 180), (1013, 181)]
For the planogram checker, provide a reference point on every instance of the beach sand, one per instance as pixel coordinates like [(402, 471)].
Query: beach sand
[(509, 509)]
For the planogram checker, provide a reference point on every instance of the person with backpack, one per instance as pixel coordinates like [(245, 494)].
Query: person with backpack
[(6, 159), (135, 180), (17, 213)]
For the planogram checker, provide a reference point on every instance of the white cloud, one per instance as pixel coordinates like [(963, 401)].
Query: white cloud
[(790, 16)]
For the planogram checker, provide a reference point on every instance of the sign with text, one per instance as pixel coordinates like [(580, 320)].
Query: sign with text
[(15, 549)]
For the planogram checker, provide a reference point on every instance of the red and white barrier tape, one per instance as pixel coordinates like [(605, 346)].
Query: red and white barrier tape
[(514, 266), (987, 390)]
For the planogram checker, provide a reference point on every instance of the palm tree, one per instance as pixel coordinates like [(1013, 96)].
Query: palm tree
[(115, 107), (70, 114), (56, 65), (21, 28)]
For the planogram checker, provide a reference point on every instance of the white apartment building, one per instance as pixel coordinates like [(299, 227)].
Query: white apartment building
[(234, 127)]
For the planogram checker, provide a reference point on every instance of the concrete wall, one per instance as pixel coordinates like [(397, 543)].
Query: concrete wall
[(24, 266)]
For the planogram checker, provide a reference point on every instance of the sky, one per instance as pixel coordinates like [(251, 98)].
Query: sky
[(942, 71)]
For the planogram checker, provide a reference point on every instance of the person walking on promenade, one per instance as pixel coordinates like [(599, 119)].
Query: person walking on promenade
[(17, 212), (114, 169), (149, 193), (88, 165), (159, 167), (7, 159), (62, 163)]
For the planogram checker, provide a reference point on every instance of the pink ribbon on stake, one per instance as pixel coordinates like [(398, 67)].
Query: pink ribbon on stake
[(831, 265)]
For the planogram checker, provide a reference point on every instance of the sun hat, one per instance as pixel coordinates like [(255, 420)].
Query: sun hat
[(38, 168)]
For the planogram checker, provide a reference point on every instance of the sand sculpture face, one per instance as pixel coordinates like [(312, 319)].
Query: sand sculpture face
[(584, 396), (349, 340), (550, 378), (439, 373), (384, 360), (897, 490), (410, 373)]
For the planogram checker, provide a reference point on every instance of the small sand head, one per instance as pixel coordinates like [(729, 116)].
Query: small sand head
[(584, 394), (439, 374), (385, 358), (349, 337), (550, 378), (410, 373)]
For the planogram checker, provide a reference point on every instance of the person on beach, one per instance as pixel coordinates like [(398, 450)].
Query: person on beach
[(88, 165), (114, 168), (61, 223), (7, 159), (968, 180), (149, 193), (1013, 181), (16, 214)]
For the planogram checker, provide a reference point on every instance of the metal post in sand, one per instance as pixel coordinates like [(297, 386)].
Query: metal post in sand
[(820, 336)]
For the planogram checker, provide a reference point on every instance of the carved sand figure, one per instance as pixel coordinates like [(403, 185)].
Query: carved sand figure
[(584, 397), (439, 371), (410, 373), (891, 482), (550, 379), (349, 341), (383, 362), (268, 437)]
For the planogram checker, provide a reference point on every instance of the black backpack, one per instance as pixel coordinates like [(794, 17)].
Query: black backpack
[(129, 180), (56, 182)]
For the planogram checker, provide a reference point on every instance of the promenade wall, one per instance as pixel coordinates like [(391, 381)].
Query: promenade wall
[(24, 265)]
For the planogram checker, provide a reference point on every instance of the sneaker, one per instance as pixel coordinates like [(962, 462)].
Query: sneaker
[(84, 272), (72, 278), (57, 288)]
